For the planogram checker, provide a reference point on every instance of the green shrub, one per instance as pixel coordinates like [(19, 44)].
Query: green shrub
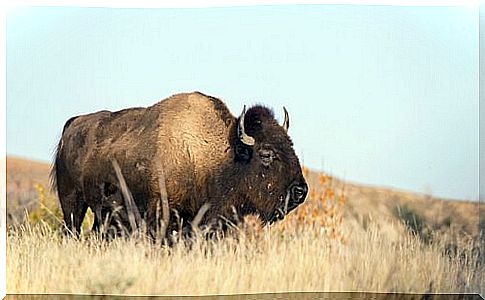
[(447, 222), (414, 222), (410, 218)]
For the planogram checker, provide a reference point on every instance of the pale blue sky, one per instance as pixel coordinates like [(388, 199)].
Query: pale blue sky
[(379, 95)]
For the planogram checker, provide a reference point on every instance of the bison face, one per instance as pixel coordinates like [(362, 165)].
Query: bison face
[(272, 176)]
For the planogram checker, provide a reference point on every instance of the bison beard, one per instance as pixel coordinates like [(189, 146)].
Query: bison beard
[(182, 154)]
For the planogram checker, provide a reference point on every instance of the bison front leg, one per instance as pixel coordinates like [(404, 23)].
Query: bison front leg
[(157, 218)]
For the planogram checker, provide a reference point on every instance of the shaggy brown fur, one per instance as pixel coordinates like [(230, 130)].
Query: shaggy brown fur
[(195, 139)]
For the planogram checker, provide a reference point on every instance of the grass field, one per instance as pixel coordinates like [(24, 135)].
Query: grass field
[(343, 238), (40, 261)]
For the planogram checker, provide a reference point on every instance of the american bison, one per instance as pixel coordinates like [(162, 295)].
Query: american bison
[(202, 153)]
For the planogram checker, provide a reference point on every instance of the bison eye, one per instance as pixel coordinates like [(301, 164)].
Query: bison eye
[(267, 156)]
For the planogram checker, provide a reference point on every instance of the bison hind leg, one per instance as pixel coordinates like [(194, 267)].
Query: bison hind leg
[(74, 209)]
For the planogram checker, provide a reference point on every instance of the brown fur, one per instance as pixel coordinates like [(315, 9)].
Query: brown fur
[(194, 138)]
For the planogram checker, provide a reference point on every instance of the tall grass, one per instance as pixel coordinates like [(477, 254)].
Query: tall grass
[(40, 260), (313, 249)]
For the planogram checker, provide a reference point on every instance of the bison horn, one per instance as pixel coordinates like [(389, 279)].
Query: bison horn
[(246, 139), (286, 122)]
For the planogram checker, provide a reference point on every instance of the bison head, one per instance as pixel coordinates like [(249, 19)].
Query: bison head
[(272, 178)]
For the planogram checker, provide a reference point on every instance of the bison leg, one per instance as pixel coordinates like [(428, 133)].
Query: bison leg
[(96, 224), (109, 220), (97, 199), (74, 209), (100, 217), (103, 217)]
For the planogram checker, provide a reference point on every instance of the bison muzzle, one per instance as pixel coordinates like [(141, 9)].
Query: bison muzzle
[(235, 166)]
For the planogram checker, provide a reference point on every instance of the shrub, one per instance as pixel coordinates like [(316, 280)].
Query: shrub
[(414, 222), (46, 209)]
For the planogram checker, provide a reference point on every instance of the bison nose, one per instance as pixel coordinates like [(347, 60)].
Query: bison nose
[(299, 192)]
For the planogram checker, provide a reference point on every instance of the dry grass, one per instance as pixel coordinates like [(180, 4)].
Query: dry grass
[(340, 239), (22, 176), (41, 261)]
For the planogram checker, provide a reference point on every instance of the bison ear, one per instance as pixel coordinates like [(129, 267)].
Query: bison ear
[(243, 153)]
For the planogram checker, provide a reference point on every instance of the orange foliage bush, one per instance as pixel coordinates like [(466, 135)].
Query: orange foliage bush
[(322, 210)]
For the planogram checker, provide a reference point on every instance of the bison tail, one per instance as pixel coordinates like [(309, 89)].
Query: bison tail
[(53, 171), (56, 158)]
